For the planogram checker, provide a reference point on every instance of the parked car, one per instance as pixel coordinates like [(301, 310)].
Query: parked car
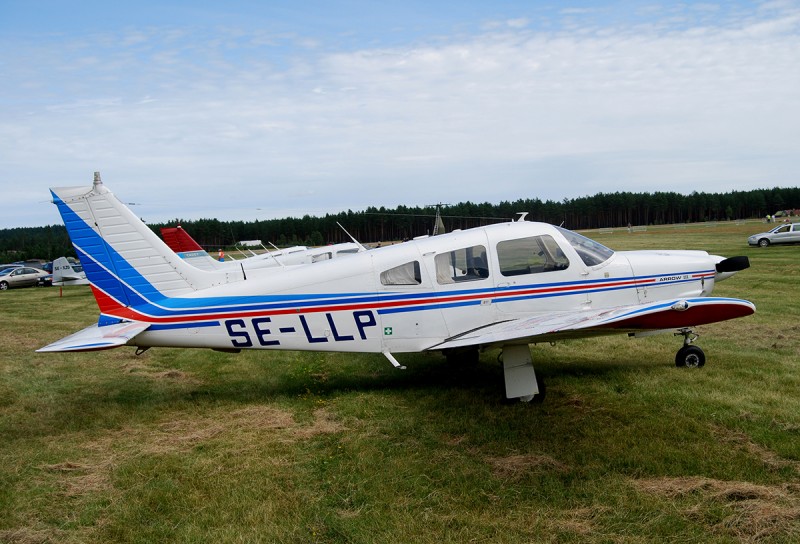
[(787, 233), (24, 276)]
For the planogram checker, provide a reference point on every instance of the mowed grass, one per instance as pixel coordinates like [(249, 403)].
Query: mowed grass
[(198, 446)]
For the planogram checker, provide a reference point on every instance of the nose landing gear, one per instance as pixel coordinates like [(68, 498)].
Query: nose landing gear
[(689, 356)]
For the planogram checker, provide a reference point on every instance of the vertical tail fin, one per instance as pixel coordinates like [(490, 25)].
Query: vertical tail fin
[(65, 273), (125, 262), (188, 249)]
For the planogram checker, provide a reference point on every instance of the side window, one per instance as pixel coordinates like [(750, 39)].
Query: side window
[(405, 274), (530, 256), (467, 264), (320, 257)]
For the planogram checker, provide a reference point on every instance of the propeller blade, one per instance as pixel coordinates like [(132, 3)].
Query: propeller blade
[(733, 264)]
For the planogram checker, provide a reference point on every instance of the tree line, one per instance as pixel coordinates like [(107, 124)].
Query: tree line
[(603, 210)]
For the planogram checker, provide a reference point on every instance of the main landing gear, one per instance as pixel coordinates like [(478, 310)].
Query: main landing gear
[(689, 356), (521, 380)]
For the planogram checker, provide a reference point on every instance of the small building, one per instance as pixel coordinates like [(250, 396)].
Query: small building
[(249, 243)]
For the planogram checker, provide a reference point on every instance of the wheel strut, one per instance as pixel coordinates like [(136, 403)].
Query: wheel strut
[(689, 336)]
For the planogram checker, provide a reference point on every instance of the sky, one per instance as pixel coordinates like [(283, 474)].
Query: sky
[(252, 110)]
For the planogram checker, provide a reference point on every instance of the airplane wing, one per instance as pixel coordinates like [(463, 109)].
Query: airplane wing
[(663, 315), (95, 337)]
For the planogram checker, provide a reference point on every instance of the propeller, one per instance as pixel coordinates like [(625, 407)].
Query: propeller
[(733, 264)]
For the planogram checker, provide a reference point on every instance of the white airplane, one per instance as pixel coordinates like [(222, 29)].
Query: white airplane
[(505, 285), (66, 273), (179, 241)]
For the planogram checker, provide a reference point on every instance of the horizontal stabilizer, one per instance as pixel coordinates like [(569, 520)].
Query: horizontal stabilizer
[(95, 338)]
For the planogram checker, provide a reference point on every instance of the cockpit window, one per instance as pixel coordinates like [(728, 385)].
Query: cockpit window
[(591, 253), (530, 255)]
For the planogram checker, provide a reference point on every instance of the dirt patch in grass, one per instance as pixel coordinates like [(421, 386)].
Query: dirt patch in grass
[(238, 429), (89, 476), (26, 535), (517, 466), (140, 369), (742, 441), (581, 521), (758, 511), (324, 423), (23, 342)]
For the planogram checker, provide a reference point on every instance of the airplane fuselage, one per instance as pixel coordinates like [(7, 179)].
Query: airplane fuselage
[(360, 305), (505, 285)]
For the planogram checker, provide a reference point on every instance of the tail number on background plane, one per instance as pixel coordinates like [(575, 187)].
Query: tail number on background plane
[(265, 333)]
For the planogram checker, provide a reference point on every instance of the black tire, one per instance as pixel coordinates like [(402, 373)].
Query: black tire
[(690, 357), (3, 285), (763, 242), (538, 398)]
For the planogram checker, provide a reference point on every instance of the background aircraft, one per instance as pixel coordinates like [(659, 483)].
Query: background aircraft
[(67, 273), (504, 285), (179, 241)]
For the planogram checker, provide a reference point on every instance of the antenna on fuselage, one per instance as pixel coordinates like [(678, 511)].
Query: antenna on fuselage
[(356, 242), (522, 216), (273, 256), (438, 224)]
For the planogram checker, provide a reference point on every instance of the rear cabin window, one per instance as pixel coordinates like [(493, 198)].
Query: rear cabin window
[(530, 255), (405, 274), (467, 264)]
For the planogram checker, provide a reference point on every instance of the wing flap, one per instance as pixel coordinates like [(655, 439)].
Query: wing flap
[(664, 315), (95, 338)]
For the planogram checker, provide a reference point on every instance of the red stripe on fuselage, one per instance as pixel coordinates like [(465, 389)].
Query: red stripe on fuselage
[(110, 307), (107, 304)]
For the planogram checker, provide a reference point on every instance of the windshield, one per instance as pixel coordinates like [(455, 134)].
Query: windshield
[(591, 253)]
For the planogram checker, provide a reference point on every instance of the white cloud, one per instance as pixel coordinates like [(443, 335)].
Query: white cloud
[(171, 116)]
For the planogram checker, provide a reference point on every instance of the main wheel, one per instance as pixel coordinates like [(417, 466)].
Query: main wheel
[(763, 242), (538, 398), (690, 357)]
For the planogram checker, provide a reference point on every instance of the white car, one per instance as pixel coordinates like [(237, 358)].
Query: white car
[(788, 233)]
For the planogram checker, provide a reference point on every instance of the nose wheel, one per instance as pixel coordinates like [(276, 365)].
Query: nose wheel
[(689, 356)]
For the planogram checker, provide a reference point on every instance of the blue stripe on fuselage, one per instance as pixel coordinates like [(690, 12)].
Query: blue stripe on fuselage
[(112, 274)]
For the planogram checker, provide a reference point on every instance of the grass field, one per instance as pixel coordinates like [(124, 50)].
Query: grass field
[(199, 446)]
